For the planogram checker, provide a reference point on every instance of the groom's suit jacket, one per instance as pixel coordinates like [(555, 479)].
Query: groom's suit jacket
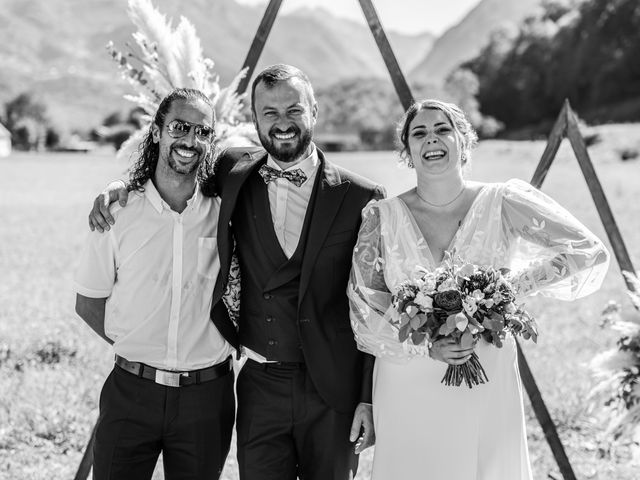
[(341, 374)]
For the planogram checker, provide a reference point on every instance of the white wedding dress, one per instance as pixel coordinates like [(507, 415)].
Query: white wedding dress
[(424, 429)]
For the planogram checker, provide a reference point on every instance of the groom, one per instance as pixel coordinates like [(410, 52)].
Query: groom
[(304, 393), (295, 217)]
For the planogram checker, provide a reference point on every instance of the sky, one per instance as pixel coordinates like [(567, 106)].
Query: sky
[(406, 16)]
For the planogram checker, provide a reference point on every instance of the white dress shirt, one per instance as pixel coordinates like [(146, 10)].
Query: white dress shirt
[(289, 203), (157, 269)]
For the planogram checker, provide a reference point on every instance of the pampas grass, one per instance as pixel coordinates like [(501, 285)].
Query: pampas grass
[(617, 395), (167, 58)]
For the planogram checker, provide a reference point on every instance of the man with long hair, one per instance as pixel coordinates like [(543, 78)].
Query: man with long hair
[(145, 290)]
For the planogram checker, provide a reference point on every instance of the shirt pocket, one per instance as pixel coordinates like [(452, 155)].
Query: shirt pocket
[(208, 258)]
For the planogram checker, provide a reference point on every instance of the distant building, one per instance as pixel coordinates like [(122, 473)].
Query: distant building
[(5, 141)]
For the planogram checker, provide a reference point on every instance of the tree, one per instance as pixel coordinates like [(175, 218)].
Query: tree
[(27, 120), (461, 88), (584, 51)]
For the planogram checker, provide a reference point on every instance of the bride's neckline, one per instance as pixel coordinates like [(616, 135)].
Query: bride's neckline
[(461, 224)]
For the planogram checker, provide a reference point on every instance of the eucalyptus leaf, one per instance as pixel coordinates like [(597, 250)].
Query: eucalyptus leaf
[(418, 337), (422, 319), (445, 330), (466, 341), (403, 333), (461, 322)]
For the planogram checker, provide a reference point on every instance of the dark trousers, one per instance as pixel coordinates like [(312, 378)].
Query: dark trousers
[(285, 429), (191, 425)]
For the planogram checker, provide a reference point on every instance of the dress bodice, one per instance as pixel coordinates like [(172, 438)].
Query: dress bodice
[(509, 225)]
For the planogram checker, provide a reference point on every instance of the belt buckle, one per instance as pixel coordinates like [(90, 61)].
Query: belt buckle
[(168, 379)]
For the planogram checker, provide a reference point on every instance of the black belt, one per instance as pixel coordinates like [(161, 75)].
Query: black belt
[(175, 379), (277, 365)]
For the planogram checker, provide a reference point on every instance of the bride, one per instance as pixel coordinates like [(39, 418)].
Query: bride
[(425, 429)]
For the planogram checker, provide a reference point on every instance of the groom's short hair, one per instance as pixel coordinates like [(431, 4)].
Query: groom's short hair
[(279, 73)]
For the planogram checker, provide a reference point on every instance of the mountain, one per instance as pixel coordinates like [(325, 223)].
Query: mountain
[(57, 49), (465, 40), (409, 49)]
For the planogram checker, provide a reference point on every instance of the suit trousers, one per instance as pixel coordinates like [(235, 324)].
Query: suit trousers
[(191, 425), (285, 430)]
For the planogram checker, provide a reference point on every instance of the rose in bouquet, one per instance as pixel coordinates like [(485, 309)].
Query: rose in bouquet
[(462, 301)]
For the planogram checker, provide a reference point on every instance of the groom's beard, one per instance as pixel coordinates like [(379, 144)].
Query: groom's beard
[(287, 154)]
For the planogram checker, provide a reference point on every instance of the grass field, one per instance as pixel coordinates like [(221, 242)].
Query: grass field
[(52, 366)]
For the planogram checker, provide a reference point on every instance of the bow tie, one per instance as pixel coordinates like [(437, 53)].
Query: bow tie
[(297, 176)]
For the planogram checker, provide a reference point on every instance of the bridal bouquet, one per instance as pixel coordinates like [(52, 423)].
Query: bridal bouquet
[(462, 301)]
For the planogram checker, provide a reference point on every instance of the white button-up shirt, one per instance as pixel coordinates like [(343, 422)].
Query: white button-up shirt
[(157, 269), (289, 203)]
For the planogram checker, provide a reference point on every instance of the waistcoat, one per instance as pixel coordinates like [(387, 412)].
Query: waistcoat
[(270, 281)]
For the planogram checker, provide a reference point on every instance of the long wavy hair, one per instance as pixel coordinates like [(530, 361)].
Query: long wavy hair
[(148, 151)]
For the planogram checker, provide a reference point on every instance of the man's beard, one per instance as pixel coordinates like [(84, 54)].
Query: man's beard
[(287, 154), (185, 169)]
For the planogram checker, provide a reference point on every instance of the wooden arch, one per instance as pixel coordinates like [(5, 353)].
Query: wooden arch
[(566, 126)]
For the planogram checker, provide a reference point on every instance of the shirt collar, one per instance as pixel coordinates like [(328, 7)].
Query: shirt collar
[(152, 194), (308, 165)]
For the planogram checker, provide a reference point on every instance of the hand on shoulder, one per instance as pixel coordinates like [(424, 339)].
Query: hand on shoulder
[(100, 216)]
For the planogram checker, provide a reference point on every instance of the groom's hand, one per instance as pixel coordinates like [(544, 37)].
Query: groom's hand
[(100, 217), (362, 428)]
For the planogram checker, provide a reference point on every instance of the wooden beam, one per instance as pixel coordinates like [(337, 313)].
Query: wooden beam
[(566, 125), (87, 458), (533, 392), (543, 416), (259, 40), (397, 77), (602, 205), (553, 144)]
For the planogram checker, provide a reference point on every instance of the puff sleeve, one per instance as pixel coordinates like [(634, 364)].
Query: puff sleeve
[(371, 313), (552, 253)]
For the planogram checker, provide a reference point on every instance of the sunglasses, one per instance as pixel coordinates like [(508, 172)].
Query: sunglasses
[(180, 128)]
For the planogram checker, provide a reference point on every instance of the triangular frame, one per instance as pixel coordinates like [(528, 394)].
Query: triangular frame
[(566, 126)]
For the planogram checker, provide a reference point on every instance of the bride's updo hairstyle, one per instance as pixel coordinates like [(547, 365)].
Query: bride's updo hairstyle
[(457, 118)]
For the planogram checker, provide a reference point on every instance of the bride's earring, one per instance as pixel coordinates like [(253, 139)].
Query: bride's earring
[(410, 163)]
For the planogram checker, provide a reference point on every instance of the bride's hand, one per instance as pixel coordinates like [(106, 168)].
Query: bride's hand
[(449, 351)]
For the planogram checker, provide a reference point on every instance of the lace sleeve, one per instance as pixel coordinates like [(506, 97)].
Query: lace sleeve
[(552, 253), (369, 297)]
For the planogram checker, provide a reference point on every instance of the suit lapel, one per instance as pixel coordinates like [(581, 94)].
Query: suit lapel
[(233, 183), (263, 219), (331, 192)]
